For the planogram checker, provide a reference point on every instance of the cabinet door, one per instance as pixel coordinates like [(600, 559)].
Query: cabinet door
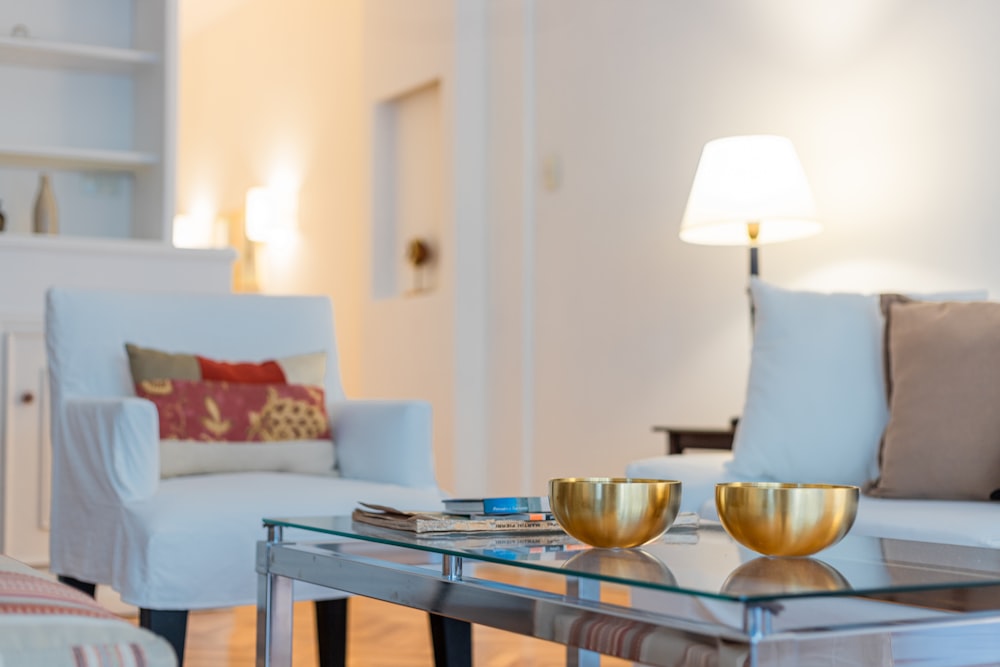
[(27, 451)]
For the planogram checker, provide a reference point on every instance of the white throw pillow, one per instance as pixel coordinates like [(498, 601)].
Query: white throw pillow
[(816, 405), (816, 402)]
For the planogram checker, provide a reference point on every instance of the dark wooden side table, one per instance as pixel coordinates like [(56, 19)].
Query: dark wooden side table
[(679, 439)]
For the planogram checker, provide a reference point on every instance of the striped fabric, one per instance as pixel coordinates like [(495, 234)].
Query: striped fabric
[(639, 642), (26, 595), (110, 655), (31, 594)]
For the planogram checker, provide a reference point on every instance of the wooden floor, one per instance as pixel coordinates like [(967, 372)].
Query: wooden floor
[(379, 635)]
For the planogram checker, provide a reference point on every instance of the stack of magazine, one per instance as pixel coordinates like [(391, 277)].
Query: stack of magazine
[(467, 515)]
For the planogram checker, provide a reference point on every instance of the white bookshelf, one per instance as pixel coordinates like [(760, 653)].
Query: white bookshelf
[(29, 52), (43, 157), (89, 96)]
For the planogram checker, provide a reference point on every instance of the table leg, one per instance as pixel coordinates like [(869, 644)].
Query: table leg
[(452, 641), (451, 638), (757, 623), (586, 589), (274, 616)]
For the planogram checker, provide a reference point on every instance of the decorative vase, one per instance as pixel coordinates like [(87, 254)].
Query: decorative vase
[(46, 210)]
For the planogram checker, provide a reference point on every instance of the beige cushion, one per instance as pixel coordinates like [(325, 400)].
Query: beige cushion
[(943, 370), (151, 364), (187, 457)]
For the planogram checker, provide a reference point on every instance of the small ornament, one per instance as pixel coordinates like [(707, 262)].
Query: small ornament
[(46, 211), (418, 252), (420, 256)]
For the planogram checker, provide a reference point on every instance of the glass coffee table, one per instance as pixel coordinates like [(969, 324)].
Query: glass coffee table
[(692, 597)]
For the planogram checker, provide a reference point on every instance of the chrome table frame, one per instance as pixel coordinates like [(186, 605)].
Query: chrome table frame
[(451, 594)]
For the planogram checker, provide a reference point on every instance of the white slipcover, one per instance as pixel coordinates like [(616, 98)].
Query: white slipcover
[(188, 542), (970, 523)]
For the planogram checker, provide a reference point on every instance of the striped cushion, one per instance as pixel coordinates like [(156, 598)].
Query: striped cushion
[(44, 623)]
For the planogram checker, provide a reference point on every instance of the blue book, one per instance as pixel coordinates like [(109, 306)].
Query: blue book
[(501, 505)]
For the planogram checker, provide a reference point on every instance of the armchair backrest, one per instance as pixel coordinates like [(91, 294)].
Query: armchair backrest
[(86, 332)]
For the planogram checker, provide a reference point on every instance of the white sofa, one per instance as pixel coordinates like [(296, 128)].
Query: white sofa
[(818, 410), (832, 385)]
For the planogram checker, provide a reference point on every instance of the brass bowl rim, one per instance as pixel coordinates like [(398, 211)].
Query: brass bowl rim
[(611, 480), (784, 486)]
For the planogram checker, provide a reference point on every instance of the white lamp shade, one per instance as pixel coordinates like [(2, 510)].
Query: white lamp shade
[(741, 180)]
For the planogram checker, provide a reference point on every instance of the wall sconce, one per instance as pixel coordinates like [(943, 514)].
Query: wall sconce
[(271, 214), (420, 256)]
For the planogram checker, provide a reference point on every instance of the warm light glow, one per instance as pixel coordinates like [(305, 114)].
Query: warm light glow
[(749, 179), (271, 214), (192, 231)]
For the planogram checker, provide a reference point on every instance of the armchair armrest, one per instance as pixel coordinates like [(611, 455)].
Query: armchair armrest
[(112, 450), (384, 441)]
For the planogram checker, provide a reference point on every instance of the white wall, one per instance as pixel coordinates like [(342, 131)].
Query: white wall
[(430, 345), (891, 105), (576, 319), (271, 93)]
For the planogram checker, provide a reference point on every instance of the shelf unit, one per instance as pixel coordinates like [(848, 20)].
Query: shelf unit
[(75, 158), (40, 53), (89, 97)]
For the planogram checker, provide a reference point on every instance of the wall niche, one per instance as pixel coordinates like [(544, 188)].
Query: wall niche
[(408, 192)]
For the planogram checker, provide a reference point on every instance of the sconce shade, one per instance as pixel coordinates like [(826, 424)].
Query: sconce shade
[(749, 179), (270, 215)]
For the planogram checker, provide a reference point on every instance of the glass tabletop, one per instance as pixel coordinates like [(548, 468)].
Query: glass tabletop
[(704, 561)]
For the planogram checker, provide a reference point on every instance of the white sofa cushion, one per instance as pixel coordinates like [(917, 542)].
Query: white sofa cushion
[(698, 472), (189, 457), (968, 522), (972, 523), (815, 405)]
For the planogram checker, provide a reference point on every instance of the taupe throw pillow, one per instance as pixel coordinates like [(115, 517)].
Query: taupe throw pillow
[(943, 374)]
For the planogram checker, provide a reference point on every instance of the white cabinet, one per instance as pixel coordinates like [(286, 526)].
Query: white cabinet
[(88, 94), (26, 458)]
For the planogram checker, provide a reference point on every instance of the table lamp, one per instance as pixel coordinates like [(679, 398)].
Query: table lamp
[(749, 190)]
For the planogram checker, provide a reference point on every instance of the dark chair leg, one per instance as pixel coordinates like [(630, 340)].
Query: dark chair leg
[(83, 586), (168, 623), (452, 640), (331, 632)]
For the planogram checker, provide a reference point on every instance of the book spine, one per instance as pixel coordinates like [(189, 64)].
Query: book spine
[(514, 505), (521, 516), (474, 525)]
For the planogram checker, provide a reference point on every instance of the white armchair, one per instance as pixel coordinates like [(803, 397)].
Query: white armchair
[(169, 545)]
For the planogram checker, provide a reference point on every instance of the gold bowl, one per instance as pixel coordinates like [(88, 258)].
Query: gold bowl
[(777, 519), (614, 512)]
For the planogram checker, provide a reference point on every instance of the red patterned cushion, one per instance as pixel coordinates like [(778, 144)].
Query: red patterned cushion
[(236, 412), (266, 372)]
